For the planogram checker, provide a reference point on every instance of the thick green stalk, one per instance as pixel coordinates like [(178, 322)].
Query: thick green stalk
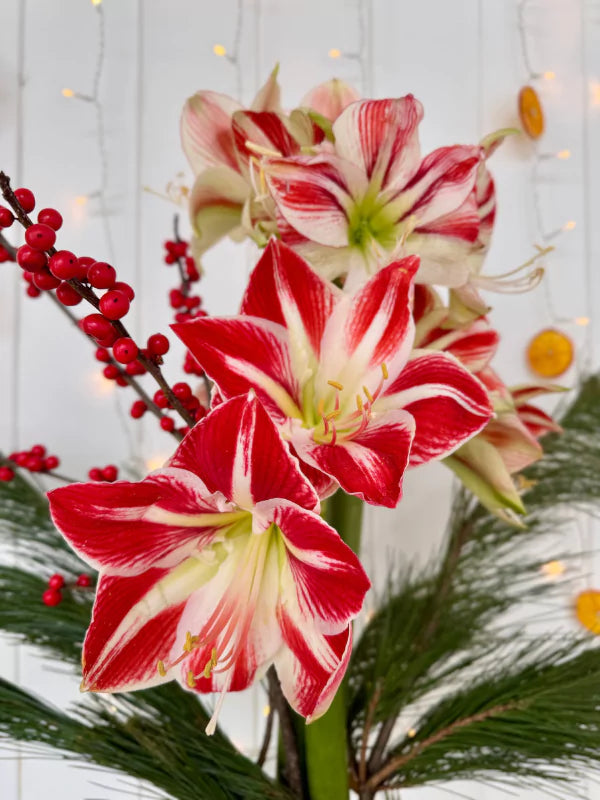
[(326, 745)]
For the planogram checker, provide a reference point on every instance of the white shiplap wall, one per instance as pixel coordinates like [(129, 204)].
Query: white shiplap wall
[(461, 58)]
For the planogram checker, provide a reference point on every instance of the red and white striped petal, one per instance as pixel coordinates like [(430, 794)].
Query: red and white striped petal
[(124, 528), (330, 98), (444, 181), (284, 289), (266, 129), (370, 465), (448, 404), (311, 667), (381, 137), (206, 133), (239, 449), (537, 422), (315, 196), (243, 353), (322, 581), (134, 625), (518, 447), (370, 328)]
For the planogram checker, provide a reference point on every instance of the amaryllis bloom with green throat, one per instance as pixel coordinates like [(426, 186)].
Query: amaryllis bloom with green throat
[(338, 375), (352, 206), (215, 567)]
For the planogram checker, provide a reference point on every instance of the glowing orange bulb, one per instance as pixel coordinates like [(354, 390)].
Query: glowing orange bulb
[(549, 75), (563, 154), (219, 50), (68, 93), (550, 353), (334, 53), (553, 569)]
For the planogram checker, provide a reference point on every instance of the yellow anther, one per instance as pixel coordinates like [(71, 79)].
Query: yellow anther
[(189, 642), (211, 663), (333, 414), (190, 680), (321, 407), (384, 371), (336, 385), (359, 402), (368, 394), (213, 656), (160, 666)]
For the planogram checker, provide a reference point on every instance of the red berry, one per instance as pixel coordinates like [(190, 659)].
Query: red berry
[(111, 371), (160, 399), (158, 344), (33, 291), (114, 304), (67, 295), (6, 217), (101, 275), (50, 217), (170, 259), (167, 424), (102, 354), (121, 380), (51, 597), (30, 259), (64, 265), (38, 450), (6, 474), (21, 458), (192, 270), (125, 350), (4, 255), (182, 391), (97, 326), (40, 236), (83, 264), (180, 249), (135, 368), (125, 288), (56, 581), (108, 341), (176, 298), (138, 409), (110, 472), (51, 463), (45, 281), (26, 199), (192, 302), (34, 464), (84, 580), (95, 474)]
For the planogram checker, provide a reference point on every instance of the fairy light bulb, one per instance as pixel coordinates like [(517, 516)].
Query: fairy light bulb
[(266, 710), (334, 53), (219, 50), (582, 321), (563, 155), (570, 225), (81, 200), (68, 93), (549, 75), (553, 569), (96, 2), (587, 610)]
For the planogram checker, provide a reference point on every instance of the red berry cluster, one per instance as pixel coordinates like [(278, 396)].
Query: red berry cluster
[(108, 474), (56, 583), (34, 460), (185, 305)]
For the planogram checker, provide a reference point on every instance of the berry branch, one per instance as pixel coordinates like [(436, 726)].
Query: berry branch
[(105, 325)]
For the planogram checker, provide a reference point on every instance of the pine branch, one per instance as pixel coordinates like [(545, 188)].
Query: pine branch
[(150, 736)]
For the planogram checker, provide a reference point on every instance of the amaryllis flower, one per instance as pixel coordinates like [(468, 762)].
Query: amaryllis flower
[(488, 462), (349, 211), (224, 144), (337, 374), (215, 567)]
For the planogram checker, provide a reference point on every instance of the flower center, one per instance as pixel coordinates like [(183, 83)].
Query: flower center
[(345, 420)]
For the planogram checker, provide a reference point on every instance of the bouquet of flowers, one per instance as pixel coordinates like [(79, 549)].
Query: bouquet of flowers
[(362, 348)]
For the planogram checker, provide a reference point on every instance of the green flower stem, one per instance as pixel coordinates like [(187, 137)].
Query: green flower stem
[(325, 741)]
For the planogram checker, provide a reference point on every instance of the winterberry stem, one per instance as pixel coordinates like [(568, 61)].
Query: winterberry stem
[(90, 296)]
